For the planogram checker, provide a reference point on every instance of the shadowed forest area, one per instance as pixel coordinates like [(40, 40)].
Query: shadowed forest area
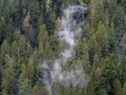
[(30, 47)]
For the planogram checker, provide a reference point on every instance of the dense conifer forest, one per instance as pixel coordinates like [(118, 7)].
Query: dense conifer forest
[(92, 63)]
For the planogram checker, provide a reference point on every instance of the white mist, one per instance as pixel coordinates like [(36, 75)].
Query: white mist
[(71, 23)]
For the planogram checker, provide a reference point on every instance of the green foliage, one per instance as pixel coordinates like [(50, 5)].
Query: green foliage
[(9, 76), (48, 44), (71, 91), (39, 90), (124, 89), (102, 51)]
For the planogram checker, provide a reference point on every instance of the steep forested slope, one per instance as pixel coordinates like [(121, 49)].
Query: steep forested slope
[(28, 37)]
